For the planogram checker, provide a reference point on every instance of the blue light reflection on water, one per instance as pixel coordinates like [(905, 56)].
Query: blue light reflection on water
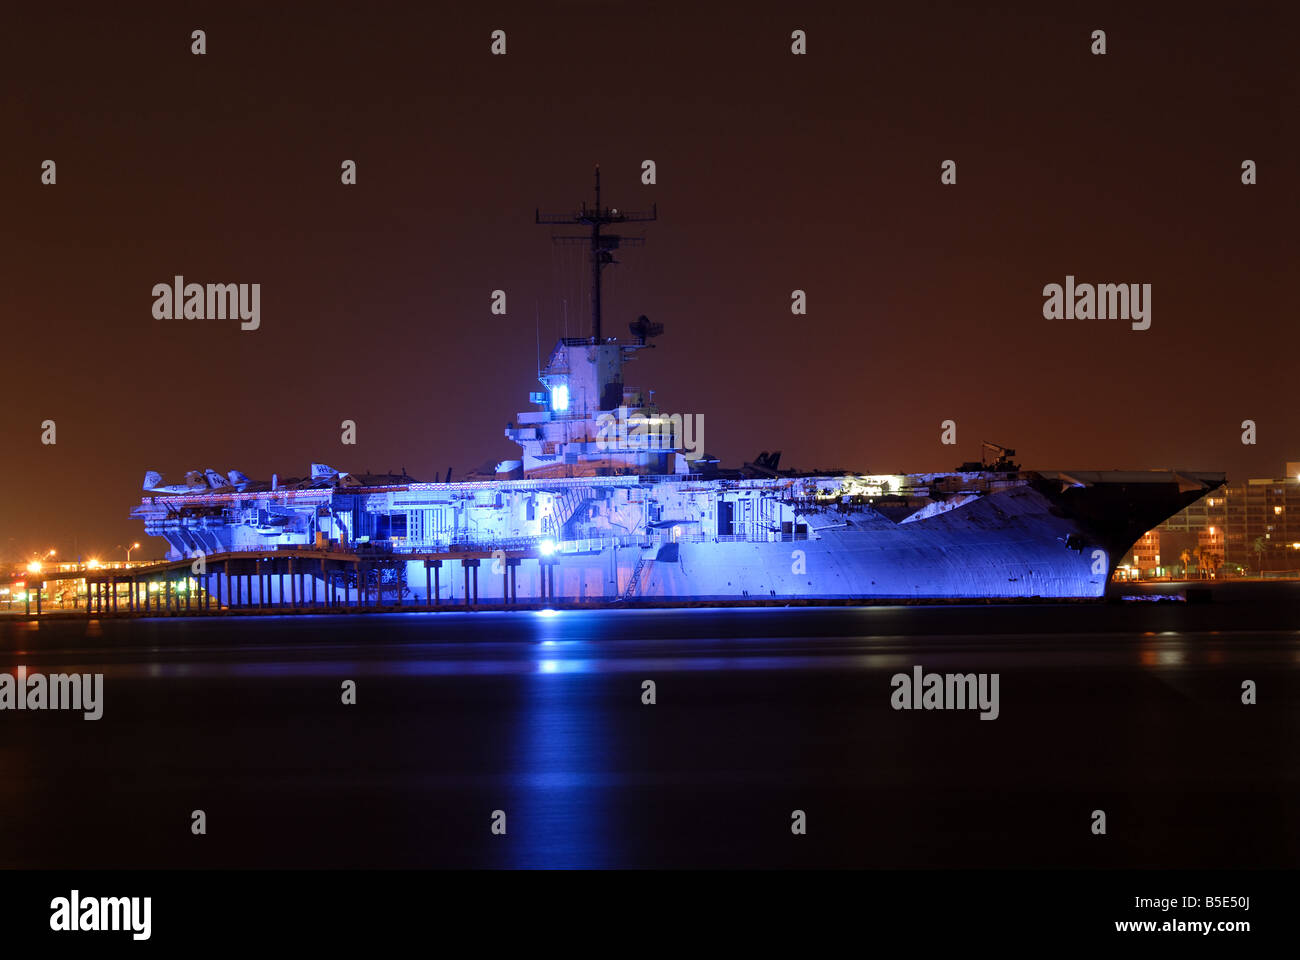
[(546, 662), (558, 793)]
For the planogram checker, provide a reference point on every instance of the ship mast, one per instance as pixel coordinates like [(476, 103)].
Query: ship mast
[(602, 244)]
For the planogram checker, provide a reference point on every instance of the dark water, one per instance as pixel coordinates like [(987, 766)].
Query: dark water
[(1130, 708)]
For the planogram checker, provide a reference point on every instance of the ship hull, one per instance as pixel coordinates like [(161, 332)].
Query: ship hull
[(1017, 544), (668, 540)]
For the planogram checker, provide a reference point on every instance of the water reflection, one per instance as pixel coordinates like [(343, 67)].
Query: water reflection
[(557, 811)]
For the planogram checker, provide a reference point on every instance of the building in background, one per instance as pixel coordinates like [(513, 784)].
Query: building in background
[(1242, 529), (1146, 557), (52, 578)]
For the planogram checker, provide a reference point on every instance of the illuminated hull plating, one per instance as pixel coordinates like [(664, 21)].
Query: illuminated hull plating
[(1014, 542), (682, 539)]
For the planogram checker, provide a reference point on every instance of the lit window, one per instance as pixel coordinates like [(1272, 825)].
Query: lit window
[(560, 397)]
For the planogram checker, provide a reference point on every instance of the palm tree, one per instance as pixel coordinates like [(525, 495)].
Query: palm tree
[(1259, 555), (1186, 558)]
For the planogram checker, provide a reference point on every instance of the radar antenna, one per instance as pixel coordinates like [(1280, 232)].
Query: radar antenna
[(602, 244)]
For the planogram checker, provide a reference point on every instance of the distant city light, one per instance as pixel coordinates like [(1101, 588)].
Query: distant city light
[(546, 547), (34, 567), (93, 564)]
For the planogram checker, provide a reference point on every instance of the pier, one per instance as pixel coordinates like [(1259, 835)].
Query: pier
[(294, 580)]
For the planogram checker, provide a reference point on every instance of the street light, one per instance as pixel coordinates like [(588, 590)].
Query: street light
[(35, 565), (134, 546)]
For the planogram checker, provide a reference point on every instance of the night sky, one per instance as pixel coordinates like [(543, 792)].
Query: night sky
[(775, 172)]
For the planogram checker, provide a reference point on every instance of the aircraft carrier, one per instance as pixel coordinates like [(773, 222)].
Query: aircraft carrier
[(608, 503)]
